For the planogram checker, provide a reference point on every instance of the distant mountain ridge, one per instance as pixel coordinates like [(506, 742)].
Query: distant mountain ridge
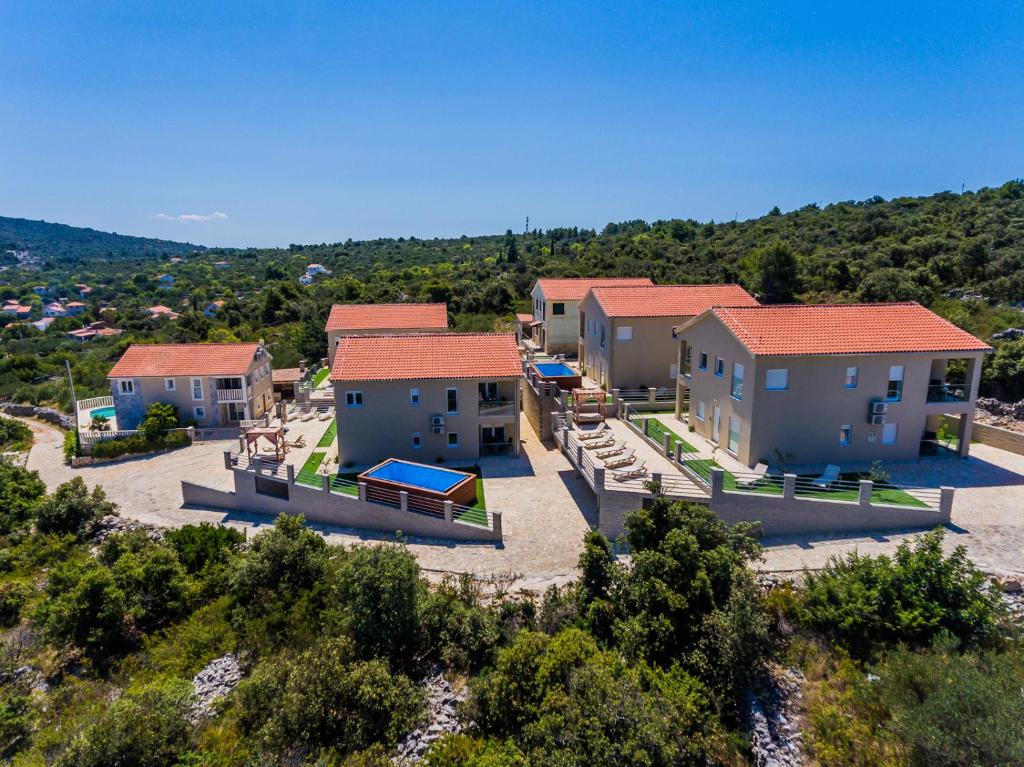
[(72, 243)]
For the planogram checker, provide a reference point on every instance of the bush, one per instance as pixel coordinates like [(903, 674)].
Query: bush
[(71, 449), (84, 606), (148, 727), (13, 596), (457, 628), (862, 602), (138, 443), (156, 587), (204, 545), (20, 494), (14, 435), (160, 417), (72, 509)]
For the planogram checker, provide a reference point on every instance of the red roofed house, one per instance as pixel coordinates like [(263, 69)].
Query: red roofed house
[(555, 309), (162, 311), (626, 333), (213, 384), (425, 397), (816, 384), (380, 319)]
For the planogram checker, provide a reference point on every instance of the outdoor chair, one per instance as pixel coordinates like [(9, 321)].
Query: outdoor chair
[(620, 461), (583, 436), (634, 473), (753, 479), (606, 442), (830, 475), (613, 450)]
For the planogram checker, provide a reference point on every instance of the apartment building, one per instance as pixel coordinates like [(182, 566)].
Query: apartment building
[(810, 385), (626, 334), (213, 384), (426, 397), (381, 319)]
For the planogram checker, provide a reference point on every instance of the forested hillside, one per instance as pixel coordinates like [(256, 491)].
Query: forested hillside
[(72, 243)]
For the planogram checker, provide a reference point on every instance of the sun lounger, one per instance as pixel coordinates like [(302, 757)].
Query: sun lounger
[(583, 436), (634, 473), (620, 461), (309, 416), (324, 417), (613, 450), (596, 444), (830, 475), (750, 480)]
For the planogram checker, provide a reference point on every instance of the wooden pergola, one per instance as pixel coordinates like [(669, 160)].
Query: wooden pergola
[(273, 434), (588, 405)]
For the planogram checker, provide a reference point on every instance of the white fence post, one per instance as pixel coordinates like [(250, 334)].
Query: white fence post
[(666, 444), (290, 470), (403, 500), (864, 492), (946, 500), (789, 486), (325, 483), (717, 482), (652, 395), (362, 492), (449, 511), (579, 458)]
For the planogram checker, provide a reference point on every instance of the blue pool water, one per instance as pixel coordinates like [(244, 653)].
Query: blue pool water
[(418, 475), (108, 412), (554, 369)]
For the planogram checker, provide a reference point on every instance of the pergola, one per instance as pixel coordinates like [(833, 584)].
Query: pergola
[(588, 405), (273, 434)]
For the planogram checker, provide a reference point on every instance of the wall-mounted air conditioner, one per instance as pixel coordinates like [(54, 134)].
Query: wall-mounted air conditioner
[(437, 429), (878, 407), (877, 420), (437, 420)]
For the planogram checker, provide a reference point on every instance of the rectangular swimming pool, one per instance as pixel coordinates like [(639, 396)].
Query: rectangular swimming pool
[(107, 412), (427, 486), (556, 373), (554, 369)]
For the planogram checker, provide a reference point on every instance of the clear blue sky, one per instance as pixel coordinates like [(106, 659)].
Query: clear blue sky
[(311, 122)]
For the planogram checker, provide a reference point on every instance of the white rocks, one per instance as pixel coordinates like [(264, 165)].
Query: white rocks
[(216, 680), (111, 524), (442, 702), (775, 737)]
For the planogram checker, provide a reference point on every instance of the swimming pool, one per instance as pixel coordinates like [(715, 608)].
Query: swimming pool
[(107, 412), (554, 369), (422, 482)]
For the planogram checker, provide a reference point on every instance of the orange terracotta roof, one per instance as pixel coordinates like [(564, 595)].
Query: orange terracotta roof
[(845, 329), (524, 317), (426, 356), (669, 300), (285, 375), (144, 360), (388, 317), (574, 288)]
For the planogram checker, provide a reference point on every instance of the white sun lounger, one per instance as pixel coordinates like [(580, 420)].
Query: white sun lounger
[(613, 450), (619, 461), (749, 480), (583, 436), (830, 475), (634, 473), (597, 444)]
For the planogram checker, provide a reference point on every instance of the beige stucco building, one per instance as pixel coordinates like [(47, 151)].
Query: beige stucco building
[(380, 319), (812, 385), (555, 327), (426, 398), (626, 334), (211, 384)]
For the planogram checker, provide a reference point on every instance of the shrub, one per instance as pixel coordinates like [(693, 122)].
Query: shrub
[(14, 435), (84, 606), (72, 509), (204, 545), (70, 445), (156, 587), (20, 494), (13, 596), (457, 628), (138, 443), (160, 417), (862, 602)]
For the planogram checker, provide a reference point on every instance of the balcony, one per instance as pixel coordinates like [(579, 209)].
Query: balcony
[(497, 409), (230, 395), (947, 392)]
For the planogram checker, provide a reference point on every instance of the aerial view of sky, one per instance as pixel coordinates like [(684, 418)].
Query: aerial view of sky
[(252, 123)]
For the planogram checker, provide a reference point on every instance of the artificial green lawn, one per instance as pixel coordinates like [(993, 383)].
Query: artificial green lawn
[(320, 375), (657, 429), (329, 435)]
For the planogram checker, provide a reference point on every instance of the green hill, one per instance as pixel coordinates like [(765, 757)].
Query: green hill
[(72, 243)]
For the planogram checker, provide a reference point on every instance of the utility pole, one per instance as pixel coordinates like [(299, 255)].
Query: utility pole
[(527, 229), (71, 387)]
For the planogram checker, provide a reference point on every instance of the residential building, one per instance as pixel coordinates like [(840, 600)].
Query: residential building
[(221, 264), (83, 290), (381, 319), (314, 269), (811, 385), (211, 309), (426, 397), (74, 308), (555, 309), (162, 312), (40, 290), (20, 311), (306, 279), (91, 331), (286, 379), (42, 324), (54, 309), (165, 280), (626, 333), (212, 384)]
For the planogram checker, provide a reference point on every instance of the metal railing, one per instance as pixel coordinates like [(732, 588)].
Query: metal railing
[(229, 395), (946, 392), (488, 409)]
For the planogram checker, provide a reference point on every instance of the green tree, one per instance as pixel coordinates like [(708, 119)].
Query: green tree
[(160, 418), (73, 509), (84, 606), (20, 494), (770, 273)]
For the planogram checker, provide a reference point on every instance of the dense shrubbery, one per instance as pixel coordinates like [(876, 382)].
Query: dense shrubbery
[(139, 443), (14, 435)]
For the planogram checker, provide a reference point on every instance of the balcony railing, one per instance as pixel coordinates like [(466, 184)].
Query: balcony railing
[(948, 392), (497, 408), (231, 395)]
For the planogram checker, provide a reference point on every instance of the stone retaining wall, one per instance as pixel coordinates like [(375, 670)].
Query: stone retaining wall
[(47, 414)]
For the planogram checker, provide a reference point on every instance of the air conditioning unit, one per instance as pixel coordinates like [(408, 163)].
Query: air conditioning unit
[(437, 429), (877, 420), (437, 420), (878, 407)]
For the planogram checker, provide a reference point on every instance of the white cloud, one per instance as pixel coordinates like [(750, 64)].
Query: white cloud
[(215, 216)]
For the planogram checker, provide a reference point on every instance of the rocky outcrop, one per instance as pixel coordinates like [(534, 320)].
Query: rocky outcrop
[(443, 700), (37, 411), (110, 524), (774, 720), (994, 412), (217, 679)]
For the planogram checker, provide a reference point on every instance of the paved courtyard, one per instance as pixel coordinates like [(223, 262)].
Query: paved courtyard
[(546, 509)]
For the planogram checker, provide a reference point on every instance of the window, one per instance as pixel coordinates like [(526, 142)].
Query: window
[(700, 410), (452, 398), (777, 379), (624, 333), (851, 379), (602, 336), (168, 384), (417, 440), (734, 434), (126, 387), (719, 367), (703, 364), (199, 412), (894, 389), (889, 434), (453, 439), (558, 308), (197, 388), (736, 390), (845, 435), (353, 399), (414, 396)]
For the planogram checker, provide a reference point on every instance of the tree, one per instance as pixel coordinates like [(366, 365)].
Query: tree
[(160, 418), (20, 493), (204, 545), (99, 423), (84, 606), (73, 509), (770, 273)]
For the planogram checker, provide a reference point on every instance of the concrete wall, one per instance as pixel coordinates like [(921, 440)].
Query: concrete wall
[(385, 424), (332, 509), (561, 331), (804, 420)]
